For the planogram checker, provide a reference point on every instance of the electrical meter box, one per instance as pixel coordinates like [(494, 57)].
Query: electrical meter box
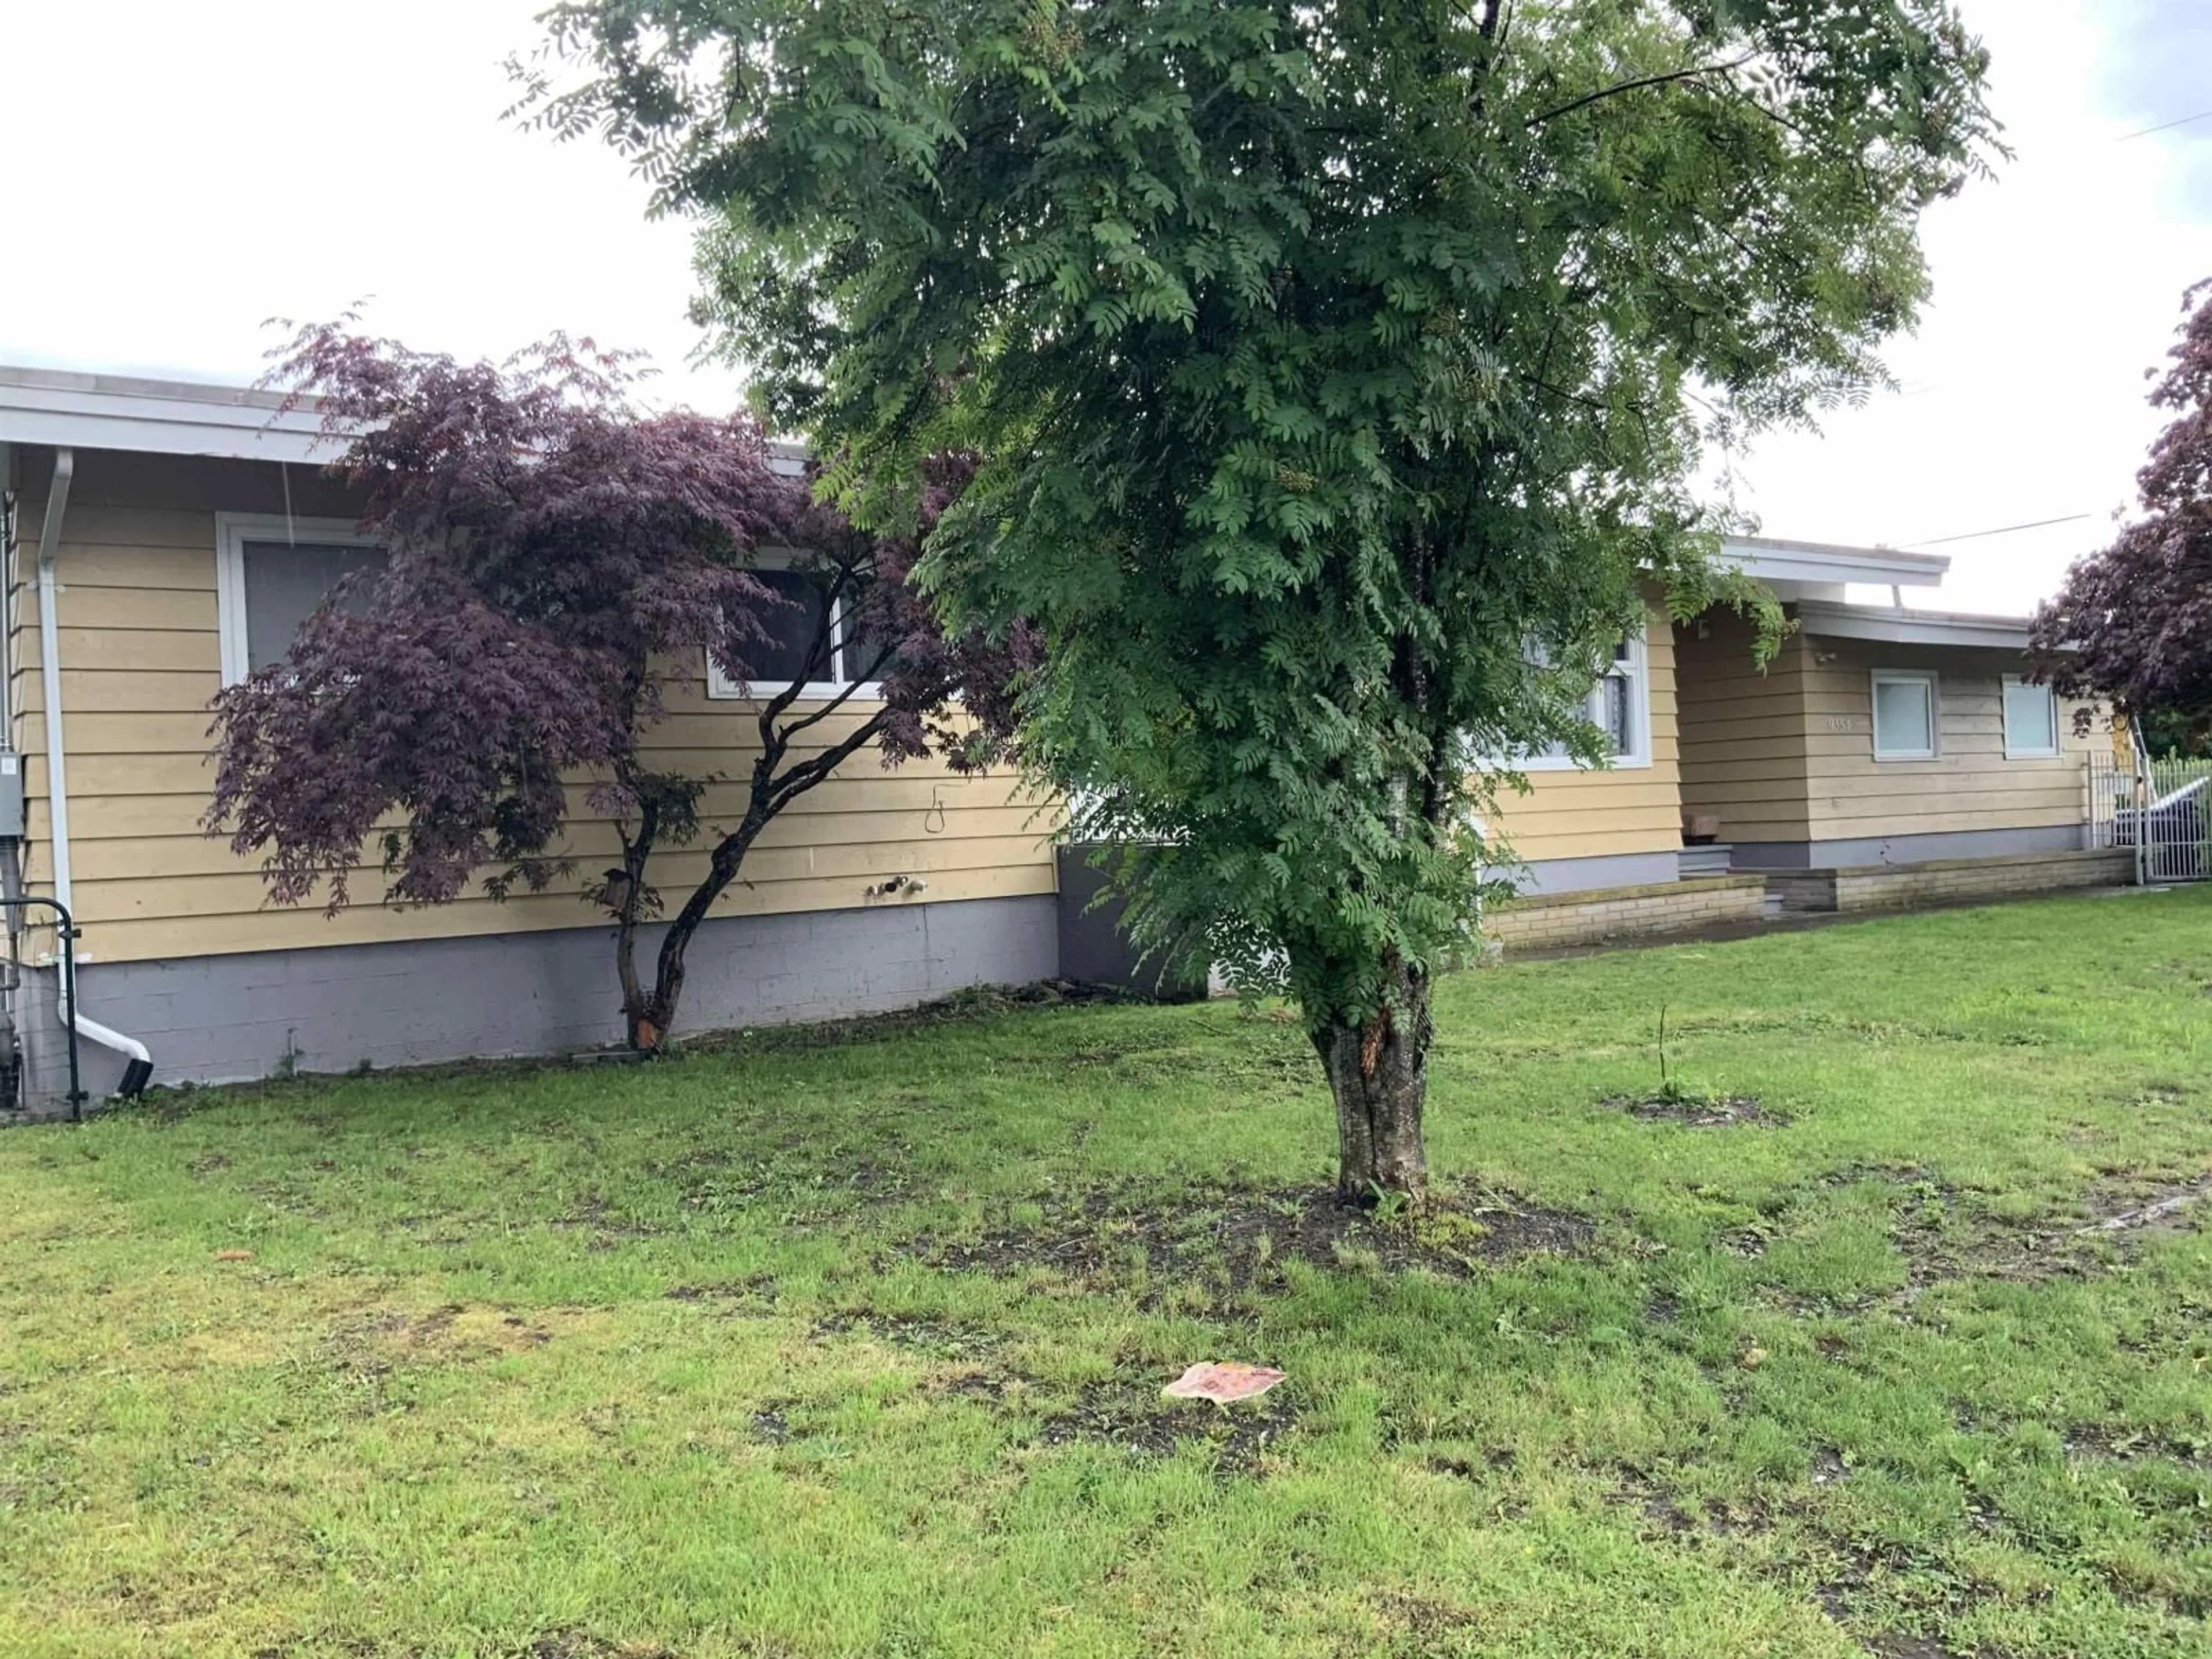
[(11, 796)]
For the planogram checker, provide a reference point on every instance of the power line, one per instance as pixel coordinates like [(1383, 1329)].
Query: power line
[(2005, 530), (2163, 126)]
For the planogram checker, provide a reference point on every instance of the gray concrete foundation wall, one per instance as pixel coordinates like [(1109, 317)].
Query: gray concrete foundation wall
[(1582, 875), (230, 1018), (1876, 850)]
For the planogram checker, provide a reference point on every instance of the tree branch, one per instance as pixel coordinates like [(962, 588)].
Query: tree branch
[(1618, 88), (808, 773), (844, 694), (817, 648)]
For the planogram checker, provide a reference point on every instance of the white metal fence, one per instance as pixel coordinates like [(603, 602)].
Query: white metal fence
[(2161, 808)]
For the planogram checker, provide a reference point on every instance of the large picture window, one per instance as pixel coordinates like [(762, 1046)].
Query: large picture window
[(1906, 713), (793, 649), (272, 574)]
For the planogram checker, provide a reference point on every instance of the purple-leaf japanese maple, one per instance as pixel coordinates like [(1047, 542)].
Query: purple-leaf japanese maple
[(2134, 622), (556, 559)]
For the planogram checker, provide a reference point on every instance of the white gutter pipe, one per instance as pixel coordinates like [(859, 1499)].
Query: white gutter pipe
[(50, 672), (141, 1063)]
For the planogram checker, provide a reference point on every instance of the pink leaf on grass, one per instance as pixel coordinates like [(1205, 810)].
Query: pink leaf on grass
[(1223, 1380)]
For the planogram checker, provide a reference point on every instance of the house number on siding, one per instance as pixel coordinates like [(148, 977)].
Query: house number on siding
[(1846, 723)]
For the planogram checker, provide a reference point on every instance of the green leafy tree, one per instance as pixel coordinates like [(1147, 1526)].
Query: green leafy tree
[(1339, 371)]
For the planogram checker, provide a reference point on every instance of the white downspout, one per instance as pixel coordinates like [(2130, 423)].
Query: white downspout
[(49, 681), (49, 674)]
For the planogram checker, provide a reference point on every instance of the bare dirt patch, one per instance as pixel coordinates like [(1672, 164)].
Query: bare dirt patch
[(1238, 1239), (992, 1387), (771, 1425), (2168, 1211), (577, 1644), (1699, 1111), (947, 1338), (2123, 1446), (1419, 1624), (1136, 1420), (1868, 1564), (1945, 1235), (1896, 1645), (609, 1228), (757, 1292), (798, 1181), (452, 1335), (1943, 1238)]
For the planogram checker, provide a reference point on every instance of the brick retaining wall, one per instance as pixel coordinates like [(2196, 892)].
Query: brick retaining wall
[(1949, 881), (1539, 921)]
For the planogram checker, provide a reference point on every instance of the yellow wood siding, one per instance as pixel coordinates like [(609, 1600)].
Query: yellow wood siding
[(1607, 813), (140, 659), (1743, 733), (1972, 784)]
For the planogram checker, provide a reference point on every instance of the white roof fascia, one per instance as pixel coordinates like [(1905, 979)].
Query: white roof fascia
[(1843, 622), (1825, 562), (162, 417), (178, 417)]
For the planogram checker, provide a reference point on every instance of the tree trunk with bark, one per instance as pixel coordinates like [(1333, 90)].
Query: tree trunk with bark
[(650, 1016), (651, 1024), (1379, 1073)]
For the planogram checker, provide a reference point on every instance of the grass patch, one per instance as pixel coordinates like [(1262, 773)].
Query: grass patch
[(850, 1341)]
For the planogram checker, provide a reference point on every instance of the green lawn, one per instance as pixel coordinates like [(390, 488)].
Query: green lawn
[(852, 1344)]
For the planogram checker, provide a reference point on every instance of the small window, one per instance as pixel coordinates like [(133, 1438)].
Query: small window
[(794, 630), (1619, 706), (2031, 719), (1904, 714), (272, 575)]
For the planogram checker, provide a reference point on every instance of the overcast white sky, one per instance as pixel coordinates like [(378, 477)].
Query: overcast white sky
[(183, 172)]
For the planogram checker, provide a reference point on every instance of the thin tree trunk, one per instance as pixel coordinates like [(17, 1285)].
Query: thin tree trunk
[(637, 1030), (772, 790), (1379, 1073), (659, 1013)]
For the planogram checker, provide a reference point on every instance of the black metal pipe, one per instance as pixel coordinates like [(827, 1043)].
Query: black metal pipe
[(67, 929)]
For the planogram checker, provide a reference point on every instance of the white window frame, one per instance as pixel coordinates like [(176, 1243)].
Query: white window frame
[(1637, 669), (1923, 677), (232, 532), (2009, 684), (720, 688)]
